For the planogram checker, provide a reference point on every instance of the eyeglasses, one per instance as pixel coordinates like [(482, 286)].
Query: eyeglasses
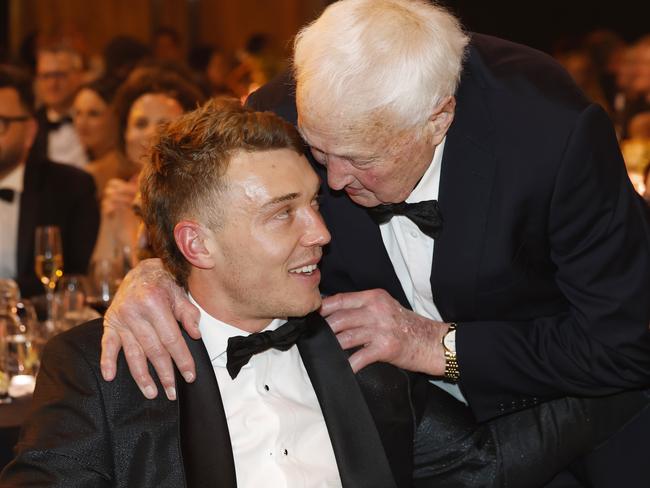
[(53, 75), (5, 122)]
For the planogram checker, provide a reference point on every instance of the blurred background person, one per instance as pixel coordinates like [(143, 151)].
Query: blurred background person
[(122, 54), (583, 71), (148, 98), (36, 192), (96, 125), (59, 74), (212, 67), (167, 45)]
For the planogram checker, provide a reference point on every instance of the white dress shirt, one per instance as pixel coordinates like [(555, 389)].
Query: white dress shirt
[(277, 430), (64, 145), (9, 216), (411, 252)]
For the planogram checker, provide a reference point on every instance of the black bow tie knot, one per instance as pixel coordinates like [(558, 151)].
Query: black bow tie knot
[(426, 215), (7, 194), (241, 349)]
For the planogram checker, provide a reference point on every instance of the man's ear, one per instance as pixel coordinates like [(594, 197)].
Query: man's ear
[(192, 240), (441, 118)]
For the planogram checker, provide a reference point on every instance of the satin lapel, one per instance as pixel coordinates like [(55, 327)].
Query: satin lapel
[(357, 446), (468, 167), (204, 435), (30, 199), (358, 246)]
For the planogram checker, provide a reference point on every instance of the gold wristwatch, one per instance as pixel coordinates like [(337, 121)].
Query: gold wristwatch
[(452, 374)]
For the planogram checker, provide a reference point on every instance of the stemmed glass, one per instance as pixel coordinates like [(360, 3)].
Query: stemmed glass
[(105, 277), (49, 262)]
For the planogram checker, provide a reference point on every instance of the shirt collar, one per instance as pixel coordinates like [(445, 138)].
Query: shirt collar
[(14, 180), (215, 334), (427, 187), (54, 117)]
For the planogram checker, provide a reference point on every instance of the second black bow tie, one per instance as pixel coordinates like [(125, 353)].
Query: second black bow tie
[(7, 194), (241, 349), (426, 215)]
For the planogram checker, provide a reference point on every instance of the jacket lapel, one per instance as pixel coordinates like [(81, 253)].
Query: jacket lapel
[(468, 167), (204, 436), (357, 446)]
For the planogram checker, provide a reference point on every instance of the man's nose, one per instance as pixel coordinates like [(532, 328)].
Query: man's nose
[(316, 233), (338, 173)]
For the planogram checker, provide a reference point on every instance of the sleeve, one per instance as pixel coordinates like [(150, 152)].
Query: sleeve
[(65, 441), (600, 247), (81, 227)]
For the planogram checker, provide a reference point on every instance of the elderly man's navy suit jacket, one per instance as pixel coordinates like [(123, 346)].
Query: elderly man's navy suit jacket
[(544, 257)]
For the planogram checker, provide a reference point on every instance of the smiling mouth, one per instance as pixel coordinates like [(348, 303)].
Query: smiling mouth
[(306, 270)]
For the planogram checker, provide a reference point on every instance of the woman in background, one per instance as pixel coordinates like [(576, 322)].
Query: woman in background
[(96, 125), (148, 98)]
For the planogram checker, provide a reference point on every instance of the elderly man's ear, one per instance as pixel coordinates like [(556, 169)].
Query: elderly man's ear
[(441, 119), (196, 243)]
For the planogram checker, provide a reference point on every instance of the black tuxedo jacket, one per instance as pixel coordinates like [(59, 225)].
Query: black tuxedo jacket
[(56, 194), (544, 257), (85, 432)]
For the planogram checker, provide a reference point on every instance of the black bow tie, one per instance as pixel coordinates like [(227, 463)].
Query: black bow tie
[(241, 349), (55, 125), (426, 215), (7, 194)]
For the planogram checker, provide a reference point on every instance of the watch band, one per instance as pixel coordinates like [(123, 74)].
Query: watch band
[(452, 373)]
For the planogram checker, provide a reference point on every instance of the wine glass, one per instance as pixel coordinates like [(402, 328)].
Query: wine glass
[(49, 262), (105, 277)]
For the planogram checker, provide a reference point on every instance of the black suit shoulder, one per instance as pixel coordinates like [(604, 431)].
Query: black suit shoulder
[(85, 432), (60, 195), (515, 70)]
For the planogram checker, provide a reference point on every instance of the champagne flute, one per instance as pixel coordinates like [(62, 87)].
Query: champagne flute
[(49, 262)]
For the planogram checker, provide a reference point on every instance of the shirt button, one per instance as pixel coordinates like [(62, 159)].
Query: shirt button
[(266, 387), (414, 234), (286, 452)]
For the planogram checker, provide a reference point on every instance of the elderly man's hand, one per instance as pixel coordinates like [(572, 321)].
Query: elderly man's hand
[(143, 320), (387, 331)]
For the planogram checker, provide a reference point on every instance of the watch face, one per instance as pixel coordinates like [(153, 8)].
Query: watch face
[(450, 341)]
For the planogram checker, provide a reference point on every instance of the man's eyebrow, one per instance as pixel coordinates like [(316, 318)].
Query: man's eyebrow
[(281, 199), (349, 157)]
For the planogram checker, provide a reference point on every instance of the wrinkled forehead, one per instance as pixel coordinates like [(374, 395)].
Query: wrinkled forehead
[(344, 134)]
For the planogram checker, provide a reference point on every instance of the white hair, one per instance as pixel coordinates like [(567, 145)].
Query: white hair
[(366, 58)]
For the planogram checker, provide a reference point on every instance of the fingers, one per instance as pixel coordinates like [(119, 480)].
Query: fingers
[(137, 362), (159, 339), (347, 319), (141, 320), (363, 357), (359, 336), (111, 345), (187, 314), (342, 301)]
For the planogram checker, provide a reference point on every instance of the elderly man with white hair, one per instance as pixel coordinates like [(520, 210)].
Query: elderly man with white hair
[(484, 230)]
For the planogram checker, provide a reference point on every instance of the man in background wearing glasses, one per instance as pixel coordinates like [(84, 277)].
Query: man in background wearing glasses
[(35, 192)]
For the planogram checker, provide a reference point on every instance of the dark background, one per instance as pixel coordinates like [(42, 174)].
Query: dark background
[(542, 24)]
